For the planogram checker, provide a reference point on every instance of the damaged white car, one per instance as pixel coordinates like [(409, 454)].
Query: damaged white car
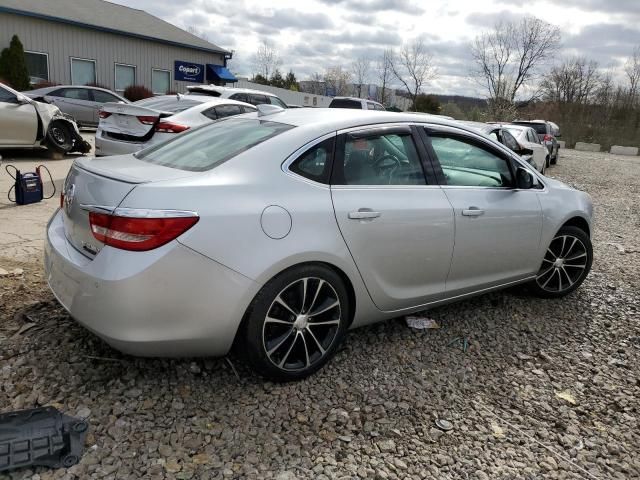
[(25, 123)]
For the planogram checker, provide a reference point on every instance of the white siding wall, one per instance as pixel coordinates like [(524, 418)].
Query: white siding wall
[(62, 41), (287, 96)]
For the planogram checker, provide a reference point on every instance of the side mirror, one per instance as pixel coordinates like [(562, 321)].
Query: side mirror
[(524, 179)]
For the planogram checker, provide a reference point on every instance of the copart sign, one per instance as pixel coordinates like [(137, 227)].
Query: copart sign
[(188, 72)]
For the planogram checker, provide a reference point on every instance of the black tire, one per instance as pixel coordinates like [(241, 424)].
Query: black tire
[(288, 349), (546, 162), (554, 159), (59, 137), (566, 264)]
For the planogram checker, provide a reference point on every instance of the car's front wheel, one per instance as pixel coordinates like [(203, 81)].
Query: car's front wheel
[(60, 137), (296, 322), (566, 264)]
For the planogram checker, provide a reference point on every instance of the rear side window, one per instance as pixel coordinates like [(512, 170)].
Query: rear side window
[(240, 97), (509, 141), (258, 99), (371, 106), (345, 103), (228, 110), (206, 147), (74, 93), (315, 163), (104, 97)]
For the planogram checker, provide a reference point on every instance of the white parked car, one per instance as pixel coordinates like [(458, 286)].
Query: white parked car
[(247, 95), (130, 128), (25, 123), (528, 139), (355, 103)]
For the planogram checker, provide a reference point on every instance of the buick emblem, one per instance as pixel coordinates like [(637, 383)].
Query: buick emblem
[(69, 194)]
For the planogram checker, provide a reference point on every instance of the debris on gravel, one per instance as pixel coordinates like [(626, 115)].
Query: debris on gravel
[(545, 389)]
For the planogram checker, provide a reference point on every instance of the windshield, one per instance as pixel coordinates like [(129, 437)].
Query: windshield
[(540, 128), (206, 147)]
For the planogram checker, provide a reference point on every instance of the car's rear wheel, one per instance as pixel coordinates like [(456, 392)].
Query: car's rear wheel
[(554, 159), (546, 163), (296, 322), (566, 264)]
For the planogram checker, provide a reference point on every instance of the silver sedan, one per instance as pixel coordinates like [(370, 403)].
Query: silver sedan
[(281, 230)]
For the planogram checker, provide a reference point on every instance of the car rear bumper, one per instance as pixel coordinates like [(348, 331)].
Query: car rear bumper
[(109, 146), (170, 301)]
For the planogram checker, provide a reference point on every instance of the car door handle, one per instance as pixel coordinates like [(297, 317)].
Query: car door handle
[(363, 214), (472, 212)]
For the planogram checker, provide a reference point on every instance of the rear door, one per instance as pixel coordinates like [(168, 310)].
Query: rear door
[(76, 102), (396, 222), (497, 226)]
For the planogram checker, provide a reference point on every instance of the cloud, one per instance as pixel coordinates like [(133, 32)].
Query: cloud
[(290, 18), (372, 6)]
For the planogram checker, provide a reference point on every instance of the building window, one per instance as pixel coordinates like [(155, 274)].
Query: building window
[(160, 81), (125, 76), (83, 71), (37, 66)]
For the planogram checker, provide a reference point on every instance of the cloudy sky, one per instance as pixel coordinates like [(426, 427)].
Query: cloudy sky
[(311, 35)]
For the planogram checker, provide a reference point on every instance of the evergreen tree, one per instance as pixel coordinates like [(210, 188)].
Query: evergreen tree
[(277, 80), (291, 82), (13, 66), (258, 78)]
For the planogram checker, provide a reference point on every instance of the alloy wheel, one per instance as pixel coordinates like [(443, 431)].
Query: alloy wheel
[(564, 264), (301, 324)]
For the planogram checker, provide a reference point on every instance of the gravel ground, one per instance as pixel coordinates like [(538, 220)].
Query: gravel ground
[(546, 389)]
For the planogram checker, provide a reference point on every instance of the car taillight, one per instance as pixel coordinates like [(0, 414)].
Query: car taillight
[(168, 127), (547, 138), (103, 114), (138, 233), (146, 119)]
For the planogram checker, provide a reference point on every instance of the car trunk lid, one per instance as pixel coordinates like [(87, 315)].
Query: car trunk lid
[(130, 122), (101, 184)]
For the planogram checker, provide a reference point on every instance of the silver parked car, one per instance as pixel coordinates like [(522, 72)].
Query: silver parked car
[(81, 102), (279, 231)]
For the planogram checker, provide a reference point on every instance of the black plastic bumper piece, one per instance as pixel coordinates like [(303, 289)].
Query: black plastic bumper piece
[(40, 436)]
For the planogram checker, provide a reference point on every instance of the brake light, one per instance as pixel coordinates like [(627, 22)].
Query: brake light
[(169, 127), (138, 233), (146, 119), (547, 138), (103, 114)]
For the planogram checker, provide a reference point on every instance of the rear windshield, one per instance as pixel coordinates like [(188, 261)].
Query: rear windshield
[(171, 104), (540, 128), (206, 147), (204, 91), (342, 103)]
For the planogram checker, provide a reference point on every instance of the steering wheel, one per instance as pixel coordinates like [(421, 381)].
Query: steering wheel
[(387, 165)]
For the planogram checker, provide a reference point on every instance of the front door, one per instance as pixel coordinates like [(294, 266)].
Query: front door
[(18, 122), (498, 226), (397, 225)]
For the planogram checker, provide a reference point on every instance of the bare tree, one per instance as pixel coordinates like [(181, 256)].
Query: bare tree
[(413, 67), (384, 72), (632, 69), (508, 58), (360, 69), (337, 80), (266, 59), (576, 80)]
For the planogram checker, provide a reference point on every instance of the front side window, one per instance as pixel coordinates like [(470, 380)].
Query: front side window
[(509, 141), (467, 164), (37, 66), (125, 76), (315, 163), (160, 81), (389, 159), (6, 96), (276, 101), (83, 72), (204, 148)]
